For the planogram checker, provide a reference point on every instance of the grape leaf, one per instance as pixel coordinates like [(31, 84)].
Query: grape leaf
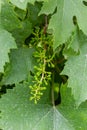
[(9, 19), (23, 3), (48, 7), (21, 62), (20, 114), (20, 13), (32, 15), (21, 34), (74, 43), (77, 117), (76, 40), (62, 21), (6, 43), (17, 112), (76, 69), (0, 4)]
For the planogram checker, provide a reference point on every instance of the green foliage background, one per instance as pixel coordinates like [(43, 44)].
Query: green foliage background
[(33, 31)]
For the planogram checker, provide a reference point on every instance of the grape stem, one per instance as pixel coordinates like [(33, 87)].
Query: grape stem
[(52, 90), (46, 25)]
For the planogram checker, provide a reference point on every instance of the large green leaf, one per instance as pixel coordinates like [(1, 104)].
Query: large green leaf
[(18, 113), (21, 62), (76, 69), (62, 21), (8, 17), (6, 43)]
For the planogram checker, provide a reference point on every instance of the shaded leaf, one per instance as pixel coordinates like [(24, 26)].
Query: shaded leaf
[(21, 34), (9, 19), (21, 62), (32, 15), (22, 4), (20, 13)]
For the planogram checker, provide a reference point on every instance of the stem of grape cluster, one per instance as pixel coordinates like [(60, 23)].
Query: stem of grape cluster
[(52, 90)]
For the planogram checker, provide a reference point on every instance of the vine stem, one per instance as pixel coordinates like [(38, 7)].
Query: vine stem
[(52, 91), (46, 25)]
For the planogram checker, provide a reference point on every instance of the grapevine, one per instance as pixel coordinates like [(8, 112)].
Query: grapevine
[(43, 65)]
